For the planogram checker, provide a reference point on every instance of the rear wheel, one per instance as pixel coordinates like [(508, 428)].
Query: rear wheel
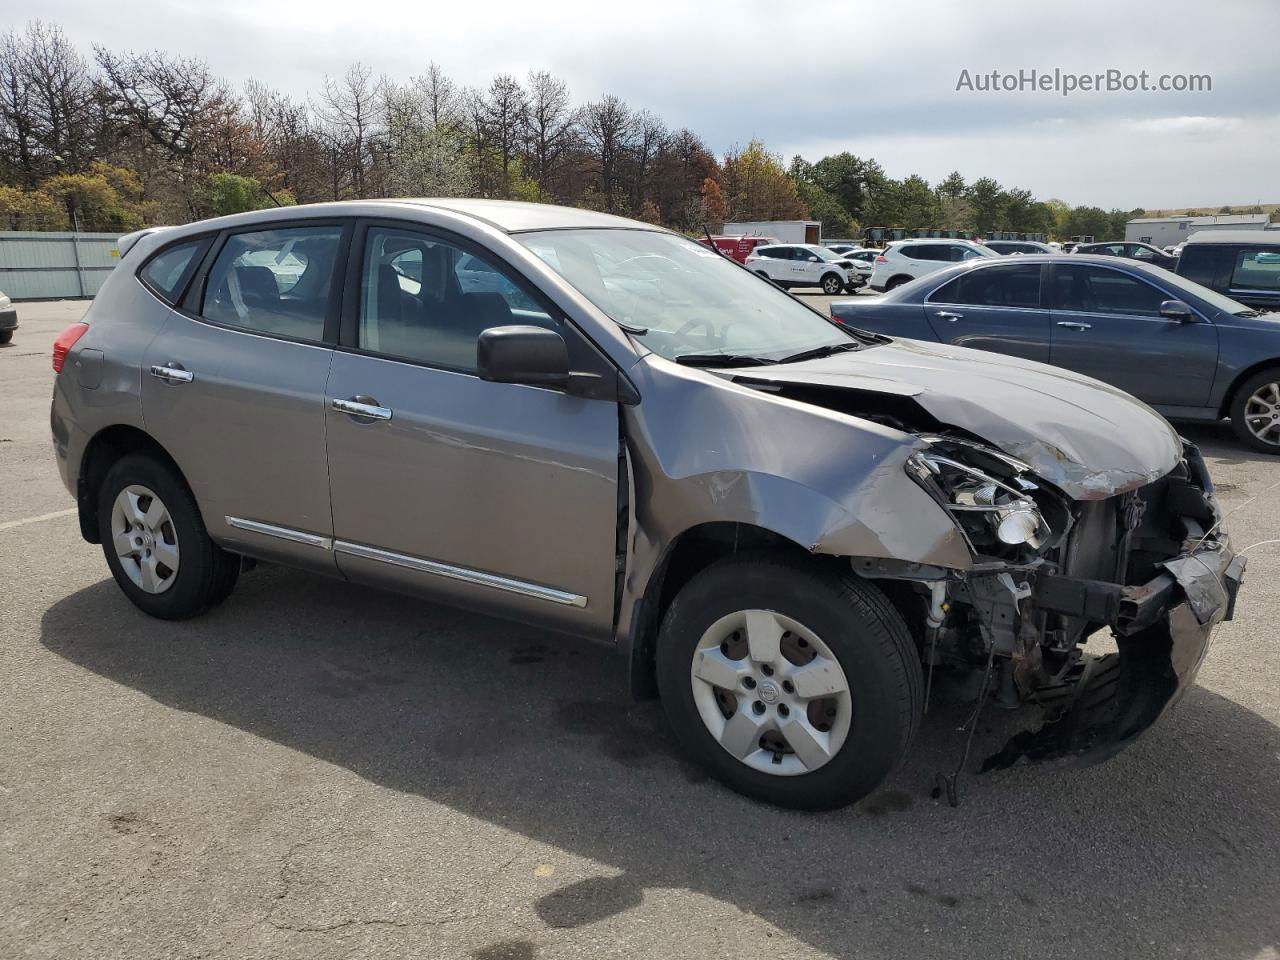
[(790, 683), (896, 282), (6, 336), (832, 284), (155, 541), (1255, 412)]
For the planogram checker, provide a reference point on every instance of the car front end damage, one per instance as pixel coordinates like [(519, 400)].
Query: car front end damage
[(1150, 563)]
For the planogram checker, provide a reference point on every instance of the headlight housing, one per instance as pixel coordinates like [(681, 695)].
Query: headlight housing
[(993, 498)]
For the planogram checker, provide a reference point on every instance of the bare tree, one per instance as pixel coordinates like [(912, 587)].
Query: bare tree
[(607, 129), (550, 127), (163, 99), (17, 120), (351, 116), (650, 137), (441, 97), (505, 107), (62, 97)]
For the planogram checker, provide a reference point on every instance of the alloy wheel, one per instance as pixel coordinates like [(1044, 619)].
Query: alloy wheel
[(771, 692), (144, 539), (1262, 413)]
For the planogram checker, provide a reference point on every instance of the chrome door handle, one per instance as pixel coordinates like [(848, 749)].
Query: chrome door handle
[(362, 408), (950, 315), (172, 373), (1075, 325)]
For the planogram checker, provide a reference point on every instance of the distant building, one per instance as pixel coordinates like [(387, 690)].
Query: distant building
[(1167, 231)]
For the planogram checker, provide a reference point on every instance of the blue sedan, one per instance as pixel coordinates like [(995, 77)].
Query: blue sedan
[(1191, 353)]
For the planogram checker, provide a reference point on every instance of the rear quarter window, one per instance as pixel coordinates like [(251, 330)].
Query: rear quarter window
[(167, 272)]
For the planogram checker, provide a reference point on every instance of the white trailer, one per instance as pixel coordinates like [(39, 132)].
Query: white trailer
[(785, 231)]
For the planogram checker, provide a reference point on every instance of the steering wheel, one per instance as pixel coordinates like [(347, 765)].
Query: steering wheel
[(710, 335)]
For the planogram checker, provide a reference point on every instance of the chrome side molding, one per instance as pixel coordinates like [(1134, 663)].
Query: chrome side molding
[(521, 587), (283, 533), (464, 574)]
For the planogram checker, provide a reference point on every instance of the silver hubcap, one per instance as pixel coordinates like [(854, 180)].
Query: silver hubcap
[(144, 539), (1262, 413), (771, 692)]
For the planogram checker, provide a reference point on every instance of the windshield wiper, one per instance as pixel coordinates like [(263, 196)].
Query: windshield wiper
[(824, 351), (722, 360), (1247, 313)]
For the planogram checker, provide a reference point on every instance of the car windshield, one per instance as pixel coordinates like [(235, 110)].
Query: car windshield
[(679, 298), (1212, 297), (826, 254)]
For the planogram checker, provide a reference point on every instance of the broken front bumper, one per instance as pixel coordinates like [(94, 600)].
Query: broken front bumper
[(1162, 632)]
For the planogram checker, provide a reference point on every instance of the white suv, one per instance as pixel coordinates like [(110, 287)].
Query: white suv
[(905, 260), (804, 265)]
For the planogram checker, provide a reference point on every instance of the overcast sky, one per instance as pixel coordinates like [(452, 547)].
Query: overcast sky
[(875, 78)]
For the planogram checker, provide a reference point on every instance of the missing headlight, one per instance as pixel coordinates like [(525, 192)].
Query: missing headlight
[(994, 500)]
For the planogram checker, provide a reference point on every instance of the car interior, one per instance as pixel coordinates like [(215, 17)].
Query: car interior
[(428, 300)]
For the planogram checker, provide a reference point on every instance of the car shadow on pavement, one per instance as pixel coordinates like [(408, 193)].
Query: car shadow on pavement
[(1171, 848)]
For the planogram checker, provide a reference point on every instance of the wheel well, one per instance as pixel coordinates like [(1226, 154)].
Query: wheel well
[(898, 278), (1230, 396), (692, 552), (106, 447)]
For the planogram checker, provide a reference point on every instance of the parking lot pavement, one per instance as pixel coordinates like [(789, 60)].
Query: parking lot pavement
[(319, 770)]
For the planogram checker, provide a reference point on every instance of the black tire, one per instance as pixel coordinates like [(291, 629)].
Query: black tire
[(862, 629), (206, 574), (896, 282), (1238, 403), (831, 284), (6, 336)]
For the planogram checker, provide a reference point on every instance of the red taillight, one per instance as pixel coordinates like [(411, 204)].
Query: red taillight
[(66, 340), (880, 259)]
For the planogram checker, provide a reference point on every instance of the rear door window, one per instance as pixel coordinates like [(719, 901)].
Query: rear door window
[(275, 282), (1002, 286)]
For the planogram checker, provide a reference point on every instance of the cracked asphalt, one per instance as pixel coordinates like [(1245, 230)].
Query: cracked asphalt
[(317, 770)]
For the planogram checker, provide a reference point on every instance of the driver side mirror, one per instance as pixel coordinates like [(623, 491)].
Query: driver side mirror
[(1176, 310), (523, 354)]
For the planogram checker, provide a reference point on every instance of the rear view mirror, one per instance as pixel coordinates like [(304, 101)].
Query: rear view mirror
[(1176, 310), (523, 354)]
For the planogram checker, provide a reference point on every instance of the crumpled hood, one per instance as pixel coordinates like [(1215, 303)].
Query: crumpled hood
[(1089, 439)]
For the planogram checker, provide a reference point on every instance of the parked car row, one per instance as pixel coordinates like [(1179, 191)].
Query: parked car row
[(1180, 346), (595, 425)]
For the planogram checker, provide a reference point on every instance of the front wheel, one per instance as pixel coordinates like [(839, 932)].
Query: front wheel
[(1255, 412), (831, 284), (790, 683), (155, 541), (6, 336)]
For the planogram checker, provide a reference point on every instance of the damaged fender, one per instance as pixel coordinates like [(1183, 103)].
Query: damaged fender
[(704, 449)]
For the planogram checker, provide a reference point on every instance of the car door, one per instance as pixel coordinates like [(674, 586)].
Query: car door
[(995, 308), (497, 496), (1107, 324), (233, 387), (777, 264), (809, 267)]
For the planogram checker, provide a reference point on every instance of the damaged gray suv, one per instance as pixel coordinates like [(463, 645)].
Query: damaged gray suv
[(785, 527)]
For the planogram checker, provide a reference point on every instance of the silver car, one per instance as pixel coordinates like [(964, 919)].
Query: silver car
[(786, 527)]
